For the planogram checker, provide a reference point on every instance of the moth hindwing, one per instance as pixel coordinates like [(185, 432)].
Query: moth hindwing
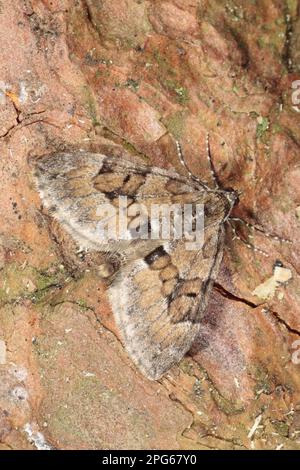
[(161, 288)]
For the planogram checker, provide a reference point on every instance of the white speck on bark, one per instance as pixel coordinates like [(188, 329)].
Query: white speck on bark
[(36, 438)]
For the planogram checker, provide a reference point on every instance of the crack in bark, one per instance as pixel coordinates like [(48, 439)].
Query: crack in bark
[(90, 309), (228, 295), (89, 16), (217, 437), (217, 392), (18, 118), (20, 123), (30, 296), (194, 416), (284, 323), (132, 367)]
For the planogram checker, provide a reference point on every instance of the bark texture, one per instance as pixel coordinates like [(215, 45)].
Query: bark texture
[(128, 74)]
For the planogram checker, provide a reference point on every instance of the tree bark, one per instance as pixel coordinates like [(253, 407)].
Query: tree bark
[(133, 75)]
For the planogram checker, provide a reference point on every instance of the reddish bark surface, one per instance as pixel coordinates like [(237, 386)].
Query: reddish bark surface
[(129, 74)]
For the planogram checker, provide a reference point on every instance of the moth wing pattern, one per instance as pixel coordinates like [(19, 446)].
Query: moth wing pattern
[(158, 301), (64, 183), (161, 289), (73, 186)]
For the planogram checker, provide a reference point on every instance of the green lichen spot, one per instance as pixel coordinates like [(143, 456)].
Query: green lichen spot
[(82, 304), (292, 6), (90, 105), (132, 84), (228, 407), (263, 125), (182, 94), (276, 128), (25, 283), (175, 124), (263, 382), (281, 427), (167, 76), (261, 42), (197, 388)]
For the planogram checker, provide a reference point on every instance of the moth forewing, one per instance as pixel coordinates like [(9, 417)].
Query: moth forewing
[(164, 280)]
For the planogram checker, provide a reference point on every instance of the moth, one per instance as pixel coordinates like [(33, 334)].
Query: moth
[(160, 289)]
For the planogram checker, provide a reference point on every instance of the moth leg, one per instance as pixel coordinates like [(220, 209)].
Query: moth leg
[(245, 242), (261, 230)]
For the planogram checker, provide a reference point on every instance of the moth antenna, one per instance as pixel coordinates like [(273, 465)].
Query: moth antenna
[(261, 230), (245, 242), (211, 164), (183, 163)]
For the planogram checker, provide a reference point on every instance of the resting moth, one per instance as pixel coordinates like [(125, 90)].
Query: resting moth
[(161, 289)]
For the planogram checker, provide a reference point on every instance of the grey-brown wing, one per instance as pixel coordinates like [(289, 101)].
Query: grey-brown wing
[(81, 189), (75, 186), (158, 301), (159, 294)]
